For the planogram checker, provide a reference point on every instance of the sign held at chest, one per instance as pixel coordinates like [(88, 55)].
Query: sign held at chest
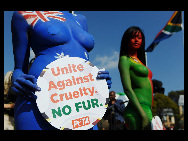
[(71, 97)]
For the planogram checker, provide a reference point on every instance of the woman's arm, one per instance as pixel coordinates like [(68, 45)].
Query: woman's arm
[(22, 83), (124, 69), (21, 49)]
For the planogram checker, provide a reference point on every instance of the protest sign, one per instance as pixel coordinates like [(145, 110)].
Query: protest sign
[(156, 123), (71, 97)]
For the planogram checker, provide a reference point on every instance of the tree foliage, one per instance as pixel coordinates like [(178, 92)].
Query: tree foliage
[(157, 86), (174, 95), (161, 102)]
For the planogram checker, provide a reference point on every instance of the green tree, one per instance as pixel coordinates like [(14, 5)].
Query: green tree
[(161, 102), (174, 95)]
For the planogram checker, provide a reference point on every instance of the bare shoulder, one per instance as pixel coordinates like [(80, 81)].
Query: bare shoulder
[(124, 59)]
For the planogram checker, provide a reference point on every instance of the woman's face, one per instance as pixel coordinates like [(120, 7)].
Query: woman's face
[(136, 40)]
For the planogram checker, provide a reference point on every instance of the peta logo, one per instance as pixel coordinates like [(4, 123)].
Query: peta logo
[(80, 122)]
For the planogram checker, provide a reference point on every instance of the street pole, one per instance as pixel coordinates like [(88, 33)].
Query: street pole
[(72, 12), (146, 59)]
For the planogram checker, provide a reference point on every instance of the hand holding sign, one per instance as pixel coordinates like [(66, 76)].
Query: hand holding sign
[(71, 96), (25, 85), (105, 75)]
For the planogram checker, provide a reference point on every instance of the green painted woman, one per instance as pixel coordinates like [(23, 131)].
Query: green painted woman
[(136, 80)]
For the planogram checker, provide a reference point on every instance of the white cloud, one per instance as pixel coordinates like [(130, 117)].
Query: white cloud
[(107, 62)]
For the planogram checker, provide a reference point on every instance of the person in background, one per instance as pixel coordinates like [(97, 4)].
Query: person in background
[(9, 101), (103, 124), (115, 112), (9, 97)]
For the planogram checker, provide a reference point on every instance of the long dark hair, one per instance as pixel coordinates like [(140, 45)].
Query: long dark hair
[(125, 40)]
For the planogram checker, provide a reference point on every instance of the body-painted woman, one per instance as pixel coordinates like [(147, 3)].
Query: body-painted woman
[(136, 80), (51, 35)]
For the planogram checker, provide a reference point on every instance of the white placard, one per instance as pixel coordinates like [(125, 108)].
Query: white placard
[(71, 97), (156, 123)]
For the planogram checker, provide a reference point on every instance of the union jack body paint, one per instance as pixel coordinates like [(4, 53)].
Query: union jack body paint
[(32, 17)]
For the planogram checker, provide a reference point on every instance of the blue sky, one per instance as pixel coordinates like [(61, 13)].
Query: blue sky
[(107, 27)]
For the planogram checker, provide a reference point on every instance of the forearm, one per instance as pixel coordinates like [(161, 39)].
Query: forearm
[(120, 107), (133, 100)]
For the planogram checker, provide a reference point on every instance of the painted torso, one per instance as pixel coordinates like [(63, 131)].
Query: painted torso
[(141, 81), (53, 34)]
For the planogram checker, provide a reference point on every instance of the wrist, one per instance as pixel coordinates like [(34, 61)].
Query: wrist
[(17, 73)]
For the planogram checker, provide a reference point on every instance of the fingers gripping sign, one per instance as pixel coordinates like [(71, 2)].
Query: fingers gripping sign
[(25, 85), (105, 75)]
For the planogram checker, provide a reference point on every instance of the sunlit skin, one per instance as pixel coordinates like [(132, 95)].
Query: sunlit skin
[(137, 84), (112, 96), (134, 44)]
